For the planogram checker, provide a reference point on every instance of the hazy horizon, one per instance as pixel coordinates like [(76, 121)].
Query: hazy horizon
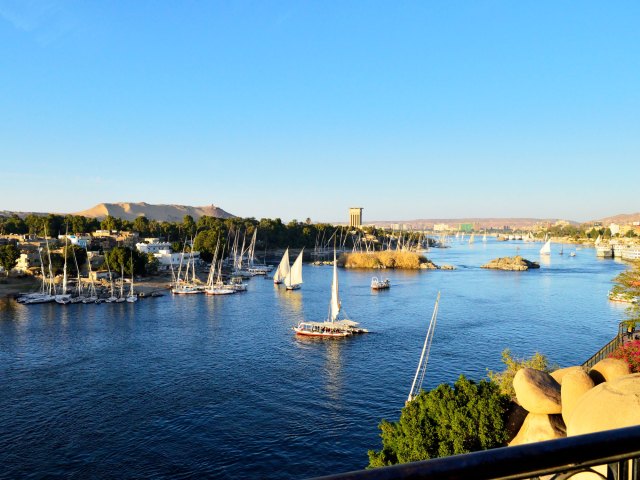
[(295, 110), (345, 216)]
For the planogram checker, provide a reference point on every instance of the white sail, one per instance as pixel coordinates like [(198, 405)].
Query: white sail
[(335, 299), (484, 237), (546, 248), (598, 240), (283, 268), (294, 277), (472, 238)]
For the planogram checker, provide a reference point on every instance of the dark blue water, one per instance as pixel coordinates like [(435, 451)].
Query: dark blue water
[(219, 387)]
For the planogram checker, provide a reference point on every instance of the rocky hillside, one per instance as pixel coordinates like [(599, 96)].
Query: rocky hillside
[(170, 213)]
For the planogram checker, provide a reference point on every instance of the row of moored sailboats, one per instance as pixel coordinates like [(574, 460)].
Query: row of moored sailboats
[(49, 291)]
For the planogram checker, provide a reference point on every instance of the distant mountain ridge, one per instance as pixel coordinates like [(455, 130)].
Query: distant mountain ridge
[(621, 218), (163, 213), (479, 222)]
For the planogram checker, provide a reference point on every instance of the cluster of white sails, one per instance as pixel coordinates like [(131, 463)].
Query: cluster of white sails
[(50, 293)]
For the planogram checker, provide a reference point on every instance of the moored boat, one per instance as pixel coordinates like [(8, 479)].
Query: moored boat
[(377, 284)]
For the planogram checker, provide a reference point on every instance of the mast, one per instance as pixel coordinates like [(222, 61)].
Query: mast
[(64, 274), (52, 288), (334, 305), (131, 289), (416, 386), (79, 285), (110, 276), (122, 280)]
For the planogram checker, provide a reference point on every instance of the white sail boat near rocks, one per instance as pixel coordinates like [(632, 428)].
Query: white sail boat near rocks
[(546, 248)]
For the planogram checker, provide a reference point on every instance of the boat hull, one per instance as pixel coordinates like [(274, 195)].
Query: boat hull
[(321, 334)]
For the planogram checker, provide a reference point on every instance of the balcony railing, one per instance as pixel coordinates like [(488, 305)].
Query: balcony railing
[(618, 449)]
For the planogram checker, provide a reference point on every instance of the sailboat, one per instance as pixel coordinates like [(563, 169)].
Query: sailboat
[(131, 297), (283, 268), (561, 252), (218, 287), (293, 279), (332, 327), (472, 238), (121, 298), (546, 248), (64, 298), (93, 296), (484, 237), (112, 298)]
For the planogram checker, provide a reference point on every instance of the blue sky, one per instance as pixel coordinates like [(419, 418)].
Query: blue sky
[(301, 109)]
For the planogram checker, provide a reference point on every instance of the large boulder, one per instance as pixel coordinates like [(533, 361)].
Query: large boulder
[(538, 428), (559, 374), (609, 369), (610, 405), (574, 385), (516, 263), (537, 391)]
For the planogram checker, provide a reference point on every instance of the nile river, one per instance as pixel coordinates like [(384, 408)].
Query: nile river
[(219, 387)]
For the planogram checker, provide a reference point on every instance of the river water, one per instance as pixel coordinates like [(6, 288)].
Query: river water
[(219, 387)]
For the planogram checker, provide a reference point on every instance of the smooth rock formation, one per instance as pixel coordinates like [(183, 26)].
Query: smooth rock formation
[(613, 404), (574, 385), (537, 391), (609, 369), (539, 428), (559, 374), (516, 263)]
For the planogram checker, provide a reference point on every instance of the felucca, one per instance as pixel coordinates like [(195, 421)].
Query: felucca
[(546, 248), (293, 279), (131, 297), (332, 327), (283, 268), (64, 298)]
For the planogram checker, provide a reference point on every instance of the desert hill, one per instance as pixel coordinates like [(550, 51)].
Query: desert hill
[(169, 213), (621, 219)]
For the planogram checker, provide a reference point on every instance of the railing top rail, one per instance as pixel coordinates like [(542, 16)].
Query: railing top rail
[(523, 461)]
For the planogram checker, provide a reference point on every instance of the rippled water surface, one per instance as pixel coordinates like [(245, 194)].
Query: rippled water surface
[(193, 387)]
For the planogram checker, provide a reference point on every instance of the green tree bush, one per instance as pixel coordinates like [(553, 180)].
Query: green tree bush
[(504, 379), (445, 421), (9, 255)]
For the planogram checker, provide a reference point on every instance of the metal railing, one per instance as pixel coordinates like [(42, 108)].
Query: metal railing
[(609, 347), (618, 449)]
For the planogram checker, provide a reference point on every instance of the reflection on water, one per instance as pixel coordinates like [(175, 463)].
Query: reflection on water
[(545, 260)]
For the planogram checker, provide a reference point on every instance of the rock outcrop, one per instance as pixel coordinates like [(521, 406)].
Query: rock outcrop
[(574, 385), (608, 369), (538, 428), (516, 263), (585, 405), (559, 374), (613, 404), (537, 391)]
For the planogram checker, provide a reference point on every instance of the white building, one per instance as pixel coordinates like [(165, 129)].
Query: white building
[(153, 247), (440, 227), (82, 241), (166, 258), (615, 228)]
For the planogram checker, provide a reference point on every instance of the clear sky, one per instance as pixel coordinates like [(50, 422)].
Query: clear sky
[(426, 109)]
